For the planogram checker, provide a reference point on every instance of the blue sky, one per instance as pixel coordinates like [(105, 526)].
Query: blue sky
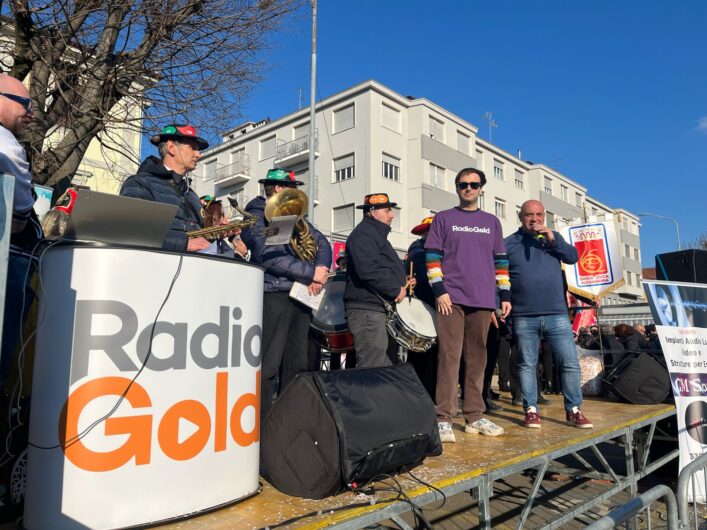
[(612, 94)]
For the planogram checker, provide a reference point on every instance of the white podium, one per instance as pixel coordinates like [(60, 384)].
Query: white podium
[(116, 441)]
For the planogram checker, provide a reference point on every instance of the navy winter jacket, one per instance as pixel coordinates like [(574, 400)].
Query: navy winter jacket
[(374, 267), (282, 266), (154, 182)]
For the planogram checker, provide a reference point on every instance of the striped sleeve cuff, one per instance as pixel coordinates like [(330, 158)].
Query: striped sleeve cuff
[(433, 261), (503, 282)]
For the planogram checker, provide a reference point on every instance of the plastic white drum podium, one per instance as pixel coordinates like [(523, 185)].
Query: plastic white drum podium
[(185, 437)]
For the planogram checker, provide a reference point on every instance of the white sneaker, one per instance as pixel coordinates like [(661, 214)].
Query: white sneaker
[(446, 434), (485, 427)]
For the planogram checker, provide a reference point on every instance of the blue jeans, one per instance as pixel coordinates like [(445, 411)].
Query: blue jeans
[(557, 331), (18, 289)]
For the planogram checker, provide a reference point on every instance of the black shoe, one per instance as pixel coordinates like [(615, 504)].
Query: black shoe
[(542, 400), (494, 395), (491, 406), (504, 387)]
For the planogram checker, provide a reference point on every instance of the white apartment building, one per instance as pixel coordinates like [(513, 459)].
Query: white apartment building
[(371, 139)]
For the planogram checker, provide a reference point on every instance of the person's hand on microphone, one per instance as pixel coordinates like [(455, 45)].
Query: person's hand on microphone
[(542, 232)]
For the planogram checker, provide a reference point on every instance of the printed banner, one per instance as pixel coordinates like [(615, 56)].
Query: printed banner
[(599, 269), (680, 314)]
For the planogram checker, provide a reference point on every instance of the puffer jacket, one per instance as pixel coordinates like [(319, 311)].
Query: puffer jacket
[(374, 268), (281, 263), (154, 182)]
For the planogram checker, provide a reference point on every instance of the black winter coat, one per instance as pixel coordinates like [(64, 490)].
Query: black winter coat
[(416, 256), (154, 182), (374, 267), (281, 263)]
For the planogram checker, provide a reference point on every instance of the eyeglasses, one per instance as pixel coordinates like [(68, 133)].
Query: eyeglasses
[(472, 185), (25, 102)]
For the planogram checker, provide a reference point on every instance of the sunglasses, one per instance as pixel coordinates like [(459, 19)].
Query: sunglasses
[(25, 102), (472, 185)]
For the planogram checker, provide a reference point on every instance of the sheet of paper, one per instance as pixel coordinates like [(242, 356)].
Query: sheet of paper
[(300, 293)]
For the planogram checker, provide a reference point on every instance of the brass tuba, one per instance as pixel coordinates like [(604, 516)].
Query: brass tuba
[(292, 201)]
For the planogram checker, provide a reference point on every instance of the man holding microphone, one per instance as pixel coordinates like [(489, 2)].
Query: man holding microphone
[(535, 255)]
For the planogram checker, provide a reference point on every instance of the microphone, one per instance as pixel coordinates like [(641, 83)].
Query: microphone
[(539, 237)]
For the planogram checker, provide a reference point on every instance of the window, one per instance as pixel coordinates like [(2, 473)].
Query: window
[(479, 158), (344, 168), (238, 155), (301, 131), (343, 218), (550, 218), (390, 117), (563, 192), (397, 224), (595, 211), (548, 185), (482, 201), (391, 168), (636, 255), (498, 169), (628, 278), (627, 251), (344, 119), (210, 170), (520, 183), (577, 199), (436, 129), (517, 211), (500, 206), (463, 142), (437, 176), (267, 148)]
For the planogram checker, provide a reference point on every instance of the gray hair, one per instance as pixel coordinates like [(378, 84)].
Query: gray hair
[(162, 149)]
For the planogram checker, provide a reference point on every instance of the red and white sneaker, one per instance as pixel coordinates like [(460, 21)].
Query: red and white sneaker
[(532, 419), (577, 419)]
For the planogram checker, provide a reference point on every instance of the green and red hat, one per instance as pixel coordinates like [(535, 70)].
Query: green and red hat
[(280, 176), (179, 132)]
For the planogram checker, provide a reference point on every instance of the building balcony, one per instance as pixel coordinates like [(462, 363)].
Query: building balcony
[(233, 174), (288, 154)]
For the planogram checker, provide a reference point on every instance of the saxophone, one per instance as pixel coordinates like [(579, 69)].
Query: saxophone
[(292, 201), (212, 233)]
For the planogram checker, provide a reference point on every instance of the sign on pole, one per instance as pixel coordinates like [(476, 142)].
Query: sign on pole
[(599, 270)]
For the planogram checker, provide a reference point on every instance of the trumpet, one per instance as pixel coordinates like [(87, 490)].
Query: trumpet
[(212, 233)]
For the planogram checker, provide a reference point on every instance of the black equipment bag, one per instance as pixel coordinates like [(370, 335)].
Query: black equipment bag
[(640, 378), (334, 430)]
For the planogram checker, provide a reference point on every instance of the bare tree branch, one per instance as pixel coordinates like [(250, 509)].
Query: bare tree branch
[(178, 60)]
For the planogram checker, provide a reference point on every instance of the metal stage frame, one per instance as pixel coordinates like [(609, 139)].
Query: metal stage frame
[(474, 463)]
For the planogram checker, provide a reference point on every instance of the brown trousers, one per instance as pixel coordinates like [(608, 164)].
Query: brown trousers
[(462, 332)]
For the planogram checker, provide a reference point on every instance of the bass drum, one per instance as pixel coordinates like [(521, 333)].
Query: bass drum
[(328, 327), (412, 324)]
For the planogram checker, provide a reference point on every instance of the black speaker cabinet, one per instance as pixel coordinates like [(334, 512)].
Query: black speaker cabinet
[(682, 266), (640, 378), (331, 431)]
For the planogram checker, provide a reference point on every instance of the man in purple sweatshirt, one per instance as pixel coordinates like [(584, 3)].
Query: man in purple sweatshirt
[(535, 255), (466, 262)]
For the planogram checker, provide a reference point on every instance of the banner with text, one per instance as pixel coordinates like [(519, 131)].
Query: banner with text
[(680, 314), (599, 269)]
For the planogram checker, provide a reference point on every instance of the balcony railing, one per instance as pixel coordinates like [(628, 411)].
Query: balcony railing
[(236, 172), (295, 151)]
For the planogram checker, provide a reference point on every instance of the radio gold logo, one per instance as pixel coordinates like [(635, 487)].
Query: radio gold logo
[(139, 444)]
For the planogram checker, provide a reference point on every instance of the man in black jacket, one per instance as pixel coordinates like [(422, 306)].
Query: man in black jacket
[(375, 273), (164, 180), (285, 321)]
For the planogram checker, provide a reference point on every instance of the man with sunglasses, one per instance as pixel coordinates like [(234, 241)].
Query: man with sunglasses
[(535, 255), (26, 232), (466, 265), (164, 180), (375, 273)]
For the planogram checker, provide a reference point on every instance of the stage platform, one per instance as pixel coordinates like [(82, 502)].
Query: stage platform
[(473, 464)]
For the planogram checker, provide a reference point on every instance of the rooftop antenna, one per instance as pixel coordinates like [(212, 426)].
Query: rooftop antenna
[(299, 101), (488, 116)]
